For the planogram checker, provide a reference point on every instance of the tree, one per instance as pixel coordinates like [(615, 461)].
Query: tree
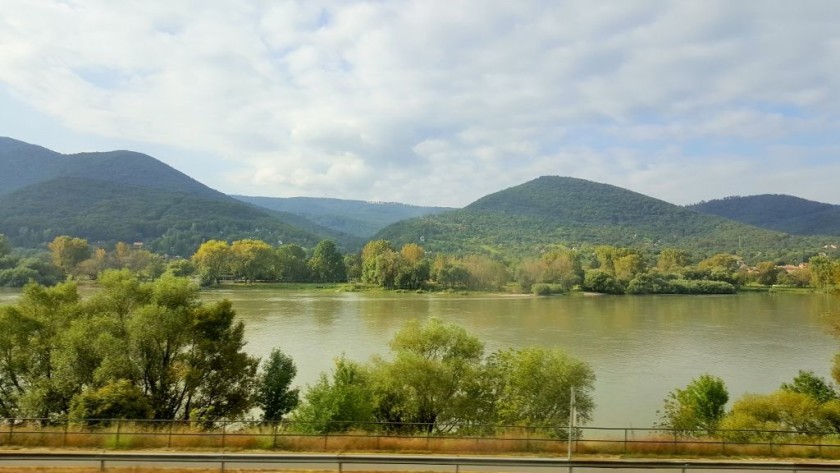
[(806, 382), (767, 273), (672, 259), (116, 400), (252, 260), (30, 339), (5, 248), (274, 396), (562, 266), (699, 406), (327, 264), (68, 252), (371, 261), (532, 386), (428, 380), (291, 264), (212, 259), (597, 280), (337, 404)]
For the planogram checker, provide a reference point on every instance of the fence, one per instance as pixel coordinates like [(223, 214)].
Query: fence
[(391, 437)]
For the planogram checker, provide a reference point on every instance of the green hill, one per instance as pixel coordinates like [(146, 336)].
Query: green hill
[(128, 196), (575, 212), (779, 212), (355, 217)]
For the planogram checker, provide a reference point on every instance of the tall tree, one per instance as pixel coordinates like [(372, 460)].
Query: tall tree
[(327, 263), (274, 394)]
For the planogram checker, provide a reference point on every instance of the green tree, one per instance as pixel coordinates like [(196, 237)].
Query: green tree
[(433, 367), (532, 386), (327, 263), (562, 266), (339, 403), (30, 339), (699, 406), (274, 395), (806, 382), (116, 400), (291, 264), (597, 280)]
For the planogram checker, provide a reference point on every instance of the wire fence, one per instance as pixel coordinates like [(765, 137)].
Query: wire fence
[(118, 434)]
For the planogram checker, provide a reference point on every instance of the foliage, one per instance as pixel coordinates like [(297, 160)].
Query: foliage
[(532, 386), (337, 404), (782, 213), (577, 213), (116, 400), (274, 395), (806, 382), (327, 264), (597, 280), (68, 252), (699, 406), (779, 411), (250, 260), (185, 358), (212, 259)]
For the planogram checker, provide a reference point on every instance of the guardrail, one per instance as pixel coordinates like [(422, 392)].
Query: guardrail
[(455, 464)]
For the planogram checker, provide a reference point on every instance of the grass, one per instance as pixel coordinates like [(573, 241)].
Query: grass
[(129, 436)]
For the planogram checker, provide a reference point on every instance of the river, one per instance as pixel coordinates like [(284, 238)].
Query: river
[(641, 347)]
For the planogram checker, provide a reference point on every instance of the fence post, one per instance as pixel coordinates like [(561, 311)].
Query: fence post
[(675, 442), (64, 437), (274, 439), (117, 441), (169, 439), (625, 440), (819, 444), (11, 431), (224, 431)]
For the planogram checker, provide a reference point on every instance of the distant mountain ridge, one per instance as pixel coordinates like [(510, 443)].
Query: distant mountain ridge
[(778, 212), (355, 217), (124, 195), (564, 210)]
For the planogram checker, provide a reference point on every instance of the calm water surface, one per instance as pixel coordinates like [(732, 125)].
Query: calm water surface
[(641, 347)]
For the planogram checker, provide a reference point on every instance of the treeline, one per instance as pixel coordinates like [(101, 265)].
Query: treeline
[(152, 350), (603, 269)]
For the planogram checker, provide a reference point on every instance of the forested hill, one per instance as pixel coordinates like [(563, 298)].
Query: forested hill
[(356, 217), (575, 212), (128, 196), (780, 212), (26, 164)]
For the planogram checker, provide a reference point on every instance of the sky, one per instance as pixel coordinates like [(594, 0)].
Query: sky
[(434, 102)]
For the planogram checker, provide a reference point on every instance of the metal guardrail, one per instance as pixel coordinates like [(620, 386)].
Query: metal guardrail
[(434, 462)]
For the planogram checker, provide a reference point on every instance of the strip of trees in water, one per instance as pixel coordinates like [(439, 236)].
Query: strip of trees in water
[(151, 350), (604, 268)]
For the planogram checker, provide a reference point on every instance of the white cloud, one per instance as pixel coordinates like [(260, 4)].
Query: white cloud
[(439, 103)]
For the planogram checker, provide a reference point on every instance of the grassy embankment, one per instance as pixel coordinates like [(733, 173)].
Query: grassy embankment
[(140, 437)]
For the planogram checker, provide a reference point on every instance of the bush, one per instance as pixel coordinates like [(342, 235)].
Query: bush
[(599, 281), (541, 289)]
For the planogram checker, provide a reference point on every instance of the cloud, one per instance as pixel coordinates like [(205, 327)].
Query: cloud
[(440, 103)]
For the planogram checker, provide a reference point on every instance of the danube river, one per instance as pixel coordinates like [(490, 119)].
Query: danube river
[(641, 347)]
